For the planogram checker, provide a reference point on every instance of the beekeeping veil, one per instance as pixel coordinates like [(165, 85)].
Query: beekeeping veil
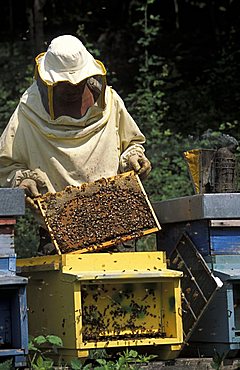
[(69, 79), (55, 148)]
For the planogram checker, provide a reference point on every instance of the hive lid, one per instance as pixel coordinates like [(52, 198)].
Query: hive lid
[(12, 202), (97, 215)]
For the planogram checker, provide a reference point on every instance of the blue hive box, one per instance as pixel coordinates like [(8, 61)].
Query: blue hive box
[(13, 305), (212, 222)]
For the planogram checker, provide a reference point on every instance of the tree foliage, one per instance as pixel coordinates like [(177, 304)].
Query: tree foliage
[(175, 63)]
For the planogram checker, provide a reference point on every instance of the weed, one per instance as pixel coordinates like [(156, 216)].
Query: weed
[(217, 361), (6, 365), (37, 357), (129, 360)]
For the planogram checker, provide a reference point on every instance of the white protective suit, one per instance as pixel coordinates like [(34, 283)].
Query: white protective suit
[(67, 151)]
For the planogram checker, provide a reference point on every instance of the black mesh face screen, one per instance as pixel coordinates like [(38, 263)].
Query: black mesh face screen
[(66, 99), (72, 100)]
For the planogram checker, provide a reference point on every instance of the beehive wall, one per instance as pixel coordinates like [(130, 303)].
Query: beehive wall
[(51, 304)]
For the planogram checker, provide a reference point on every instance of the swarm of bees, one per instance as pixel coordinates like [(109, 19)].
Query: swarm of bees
[(97, 215), (127, 311)]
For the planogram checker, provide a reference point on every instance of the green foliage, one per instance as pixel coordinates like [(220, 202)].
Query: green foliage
[(128, 360), (26, 235), (14, 59), (7, 365), (173, 112), (148, 106), (99, 359), (97, 353), (178, 82), (6, 105), (76, 364), (146, 243), (41, 346), (217, 361), (204, 101)]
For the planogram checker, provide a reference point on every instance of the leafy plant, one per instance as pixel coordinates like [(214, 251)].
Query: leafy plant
[(94, 354), (7, 365), (148, 106), (77, 364), (180, 84), (26, 235), (37, 358), (129, 360), (217, 360), (170, 110)]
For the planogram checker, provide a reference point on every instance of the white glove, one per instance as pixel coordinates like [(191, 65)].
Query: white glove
[(30, 187), (140, 164)]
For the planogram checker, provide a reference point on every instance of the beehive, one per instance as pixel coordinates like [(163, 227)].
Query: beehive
[(105, 300), (97, 215), (13, 305)]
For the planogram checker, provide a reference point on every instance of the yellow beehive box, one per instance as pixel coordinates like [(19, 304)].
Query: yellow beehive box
[(105, 300)]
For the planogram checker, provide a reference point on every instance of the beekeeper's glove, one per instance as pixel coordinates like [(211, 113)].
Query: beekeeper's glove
[(31, 190), (30, 187), (140, 164)]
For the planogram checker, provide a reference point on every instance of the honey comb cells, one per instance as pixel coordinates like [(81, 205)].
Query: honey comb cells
[(99, 214)]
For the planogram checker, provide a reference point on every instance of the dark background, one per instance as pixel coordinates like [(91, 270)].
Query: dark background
[(174, 62), (197, 39)]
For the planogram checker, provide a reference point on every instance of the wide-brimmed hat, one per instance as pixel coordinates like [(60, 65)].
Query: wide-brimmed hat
[(67, 59)]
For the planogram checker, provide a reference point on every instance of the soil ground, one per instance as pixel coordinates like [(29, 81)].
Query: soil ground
[(194, 364)]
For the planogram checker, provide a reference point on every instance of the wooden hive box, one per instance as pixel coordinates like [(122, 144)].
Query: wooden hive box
[(105, 300), (98, 215)]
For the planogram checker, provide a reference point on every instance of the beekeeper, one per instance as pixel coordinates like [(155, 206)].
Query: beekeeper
[(69, 126)]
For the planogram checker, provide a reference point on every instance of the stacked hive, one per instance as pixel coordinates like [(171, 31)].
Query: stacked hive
[(13, 306)]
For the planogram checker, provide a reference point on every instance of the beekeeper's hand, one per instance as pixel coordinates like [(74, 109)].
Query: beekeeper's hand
[(140, 164), (31, 191), (30, 187)]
